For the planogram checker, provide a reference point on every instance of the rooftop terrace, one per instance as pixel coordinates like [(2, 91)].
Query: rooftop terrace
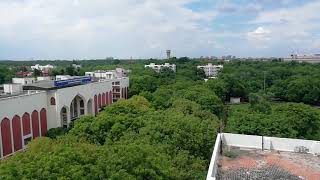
[(253, 164), (248, 157)]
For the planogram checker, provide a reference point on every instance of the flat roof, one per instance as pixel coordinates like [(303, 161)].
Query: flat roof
[(47, 85), (4, 96), (254, 164)]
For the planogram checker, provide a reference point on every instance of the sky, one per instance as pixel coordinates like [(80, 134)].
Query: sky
[(89, 29)]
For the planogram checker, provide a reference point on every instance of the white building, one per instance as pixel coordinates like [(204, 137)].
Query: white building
[(158, 68), (42, 68), (111, 74), (23, 81), (76, 66), (303, 58), (211, 70), (29, 113)]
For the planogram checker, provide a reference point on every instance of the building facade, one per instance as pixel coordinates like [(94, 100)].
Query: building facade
[(211, 70), (27, 114), (304, 58), (42, 68), (158, 68), (111, 74)]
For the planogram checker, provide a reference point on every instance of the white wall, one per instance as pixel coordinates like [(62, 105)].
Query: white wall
[(12, 88), (286, 144), (213, 168), (242, 140), (269, 143), (18, 105), (23, 81)]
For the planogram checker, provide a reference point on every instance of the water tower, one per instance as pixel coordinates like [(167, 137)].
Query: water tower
[(168, 54)]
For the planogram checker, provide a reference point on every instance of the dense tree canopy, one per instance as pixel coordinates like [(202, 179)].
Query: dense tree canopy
[(130, 140), (288, 120), (166, 130)]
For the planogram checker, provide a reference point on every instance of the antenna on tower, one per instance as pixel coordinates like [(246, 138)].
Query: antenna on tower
[(168, 54)]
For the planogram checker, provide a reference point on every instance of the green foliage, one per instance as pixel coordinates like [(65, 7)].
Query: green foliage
[(167, 132), (55, 132), (128, 140), (5, 74), (230, 154), (36, 73), (289, 120), (259, 103)]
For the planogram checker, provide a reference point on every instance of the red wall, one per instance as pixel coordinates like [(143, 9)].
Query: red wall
[(35, 124), (110, 97), (127, 92), (99, 100), (103, 99), (43, 122), (16, 131), (26, 124), (6, 137), (107, 98), (95, 104)]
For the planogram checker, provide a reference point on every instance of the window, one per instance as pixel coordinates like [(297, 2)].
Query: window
[(53, 101), (26, 141)]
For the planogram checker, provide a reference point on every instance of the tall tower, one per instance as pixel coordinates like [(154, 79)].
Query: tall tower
[(168, 54)]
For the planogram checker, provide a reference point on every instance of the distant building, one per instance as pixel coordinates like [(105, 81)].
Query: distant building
[(235, 100), (158, 68), (303, 58), (211, 70), (42, 68), (168, 54), (111, 74), (76, 66), (24, 74), (24, 80)]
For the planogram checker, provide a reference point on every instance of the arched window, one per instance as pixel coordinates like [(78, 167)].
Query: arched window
[(103, 99), (43, 121), (16, 131), (35, 124), (53, 101), (99, 100), (95, 104), (6, 137)]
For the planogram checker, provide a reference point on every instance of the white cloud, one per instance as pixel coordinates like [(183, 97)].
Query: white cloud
[(289, 28), (259, 33), (99, 28), (259, 38), (301, 14)]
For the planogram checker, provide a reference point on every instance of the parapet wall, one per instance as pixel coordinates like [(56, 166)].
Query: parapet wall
[(270, 143)]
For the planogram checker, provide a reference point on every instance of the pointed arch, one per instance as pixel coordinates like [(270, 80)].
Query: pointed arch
[(6, 137), (35, 124), (95, 104), (103, 99), (110, 97), (16, 132), (107, 98), (43, 121), (89, 107), (26, 124), (99, 100), (64, 116), (52, 101)]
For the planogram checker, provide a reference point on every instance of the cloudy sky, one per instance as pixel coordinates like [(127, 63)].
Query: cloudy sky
[(74, 29)]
